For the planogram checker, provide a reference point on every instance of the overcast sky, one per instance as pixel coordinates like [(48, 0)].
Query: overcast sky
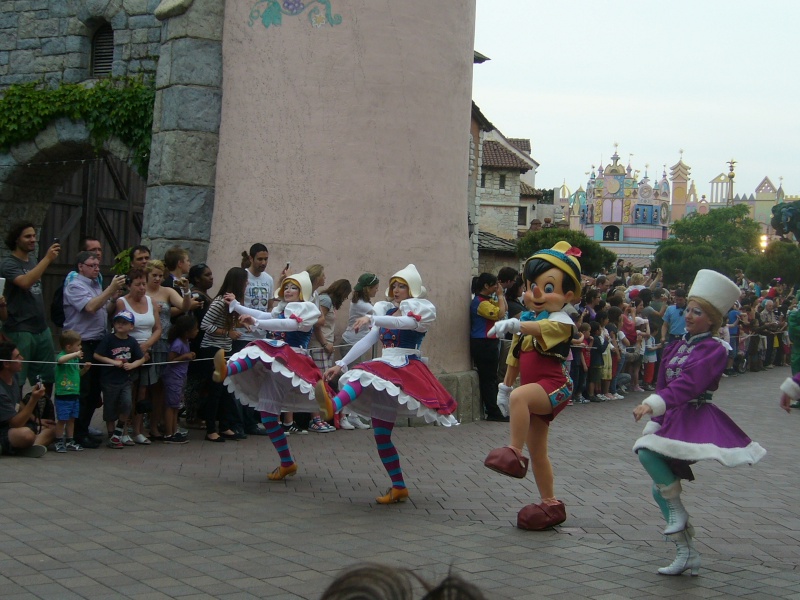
[(716, 79)]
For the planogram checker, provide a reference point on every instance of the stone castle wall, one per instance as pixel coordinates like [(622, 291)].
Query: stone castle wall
[(51, 40)]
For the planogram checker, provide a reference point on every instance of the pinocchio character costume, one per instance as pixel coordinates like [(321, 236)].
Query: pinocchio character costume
[(538, 353)]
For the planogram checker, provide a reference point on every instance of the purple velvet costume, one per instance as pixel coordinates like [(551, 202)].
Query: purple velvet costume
[(691, 429)]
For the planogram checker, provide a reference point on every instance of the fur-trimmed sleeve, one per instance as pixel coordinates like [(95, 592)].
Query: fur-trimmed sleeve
[(791, 387)]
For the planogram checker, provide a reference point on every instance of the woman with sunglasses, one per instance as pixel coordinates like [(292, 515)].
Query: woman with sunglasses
[(275, 375), (398, 384), (685, 427)]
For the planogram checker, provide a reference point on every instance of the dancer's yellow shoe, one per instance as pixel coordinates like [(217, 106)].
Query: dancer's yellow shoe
[(393, 496), (323, 396), (282, 472), (220, 366)]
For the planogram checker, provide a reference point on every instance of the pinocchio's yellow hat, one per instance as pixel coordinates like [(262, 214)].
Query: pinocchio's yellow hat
[(565, 257)]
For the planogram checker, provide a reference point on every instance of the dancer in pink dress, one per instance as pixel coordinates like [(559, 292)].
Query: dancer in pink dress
[(275, 375), (399, 384)]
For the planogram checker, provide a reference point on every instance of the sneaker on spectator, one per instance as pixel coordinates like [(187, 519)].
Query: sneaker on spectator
[(319, 426), (619, 397), (344, 423), (356, 421), (61, 447), (72, 445), (637, 389), (175, 438), (115, 442), (292, 429), (570, 402)]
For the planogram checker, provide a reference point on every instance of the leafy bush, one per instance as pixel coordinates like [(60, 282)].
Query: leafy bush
[(112, 107)]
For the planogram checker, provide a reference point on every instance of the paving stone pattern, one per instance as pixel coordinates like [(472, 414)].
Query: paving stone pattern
[(201, 521)]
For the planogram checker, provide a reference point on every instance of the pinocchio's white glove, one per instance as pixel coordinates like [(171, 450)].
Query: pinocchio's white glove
[(503, 327), (503, 394)]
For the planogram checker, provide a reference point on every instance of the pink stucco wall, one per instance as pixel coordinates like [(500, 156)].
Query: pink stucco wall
[(347, 145)]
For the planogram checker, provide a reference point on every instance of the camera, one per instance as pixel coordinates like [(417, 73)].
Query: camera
[(127, 279)]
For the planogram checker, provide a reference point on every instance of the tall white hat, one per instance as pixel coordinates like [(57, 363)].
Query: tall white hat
[(412, 277), (716, 289), (301, 280)]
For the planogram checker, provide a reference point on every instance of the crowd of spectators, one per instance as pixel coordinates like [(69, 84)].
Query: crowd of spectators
[(623, 320), (132, 344)]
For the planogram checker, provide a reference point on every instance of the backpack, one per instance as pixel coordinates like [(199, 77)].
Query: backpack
[(57, 315)]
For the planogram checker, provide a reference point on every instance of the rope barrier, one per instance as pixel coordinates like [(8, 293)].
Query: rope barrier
[(169, 362), (52, 362)]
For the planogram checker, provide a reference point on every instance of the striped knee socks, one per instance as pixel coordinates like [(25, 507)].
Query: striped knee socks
[(387, 451), (277, 437)]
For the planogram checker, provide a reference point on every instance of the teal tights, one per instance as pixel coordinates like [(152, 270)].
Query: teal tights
[(656, 466)]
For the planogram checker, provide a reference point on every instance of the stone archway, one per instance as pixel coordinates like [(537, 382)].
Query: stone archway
[(66, 188), (31, 171)]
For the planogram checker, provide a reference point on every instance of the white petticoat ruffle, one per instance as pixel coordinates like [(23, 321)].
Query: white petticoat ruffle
[(269, 385), (386, 401)]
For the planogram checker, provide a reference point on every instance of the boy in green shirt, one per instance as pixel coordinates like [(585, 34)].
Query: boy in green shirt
[(68, 389)]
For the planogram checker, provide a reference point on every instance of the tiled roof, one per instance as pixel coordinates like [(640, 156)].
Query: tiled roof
[(521, 144), (528, 191), (495, 155), (483, 122), (490, 241)]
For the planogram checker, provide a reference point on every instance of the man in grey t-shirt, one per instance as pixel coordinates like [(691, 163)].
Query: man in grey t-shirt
[(258, 293), (27, 324)]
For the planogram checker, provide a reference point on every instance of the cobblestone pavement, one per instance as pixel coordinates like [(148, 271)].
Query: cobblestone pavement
[(201, 521)]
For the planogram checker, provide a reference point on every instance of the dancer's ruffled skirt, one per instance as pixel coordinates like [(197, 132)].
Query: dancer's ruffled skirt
[(400, 388), (691, 433), (275, 378)]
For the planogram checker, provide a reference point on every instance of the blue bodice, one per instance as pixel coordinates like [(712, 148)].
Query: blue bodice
[(400, 338), (295, 339)]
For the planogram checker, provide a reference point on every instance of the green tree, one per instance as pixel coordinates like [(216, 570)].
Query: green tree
[(780, 259), (593, 256), (680, 262), (729, 231), (723, 240)]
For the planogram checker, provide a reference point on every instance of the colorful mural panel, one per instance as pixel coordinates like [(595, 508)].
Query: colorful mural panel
[(271, 12)]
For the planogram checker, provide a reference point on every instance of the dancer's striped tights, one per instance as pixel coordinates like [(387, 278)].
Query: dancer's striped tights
[(387, 451), (277, 437)]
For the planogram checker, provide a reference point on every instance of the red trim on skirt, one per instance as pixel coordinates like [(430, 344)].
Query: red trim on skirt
[(416, 380)]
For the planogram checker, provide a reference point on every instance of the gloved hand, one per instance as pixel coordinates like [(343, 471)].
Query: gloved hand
[(503, 327), (503, 394)]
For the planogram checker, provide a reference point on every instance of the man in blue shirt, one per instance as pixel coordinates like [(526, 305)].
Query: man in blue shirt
[(674, 322)]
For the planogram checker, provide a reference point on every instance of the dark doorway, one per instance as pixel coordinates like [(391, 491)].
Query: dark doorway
[(103, 198)]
